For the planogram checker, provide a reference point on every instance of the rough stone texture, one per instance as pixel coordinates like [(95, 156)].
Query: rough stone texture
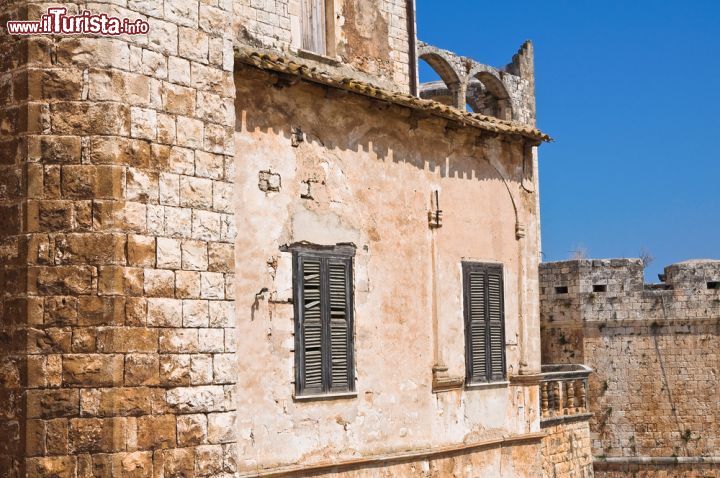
[(372, 188), (507, 93), (654, 351), (104, 159), (709, 470), (566, 451)]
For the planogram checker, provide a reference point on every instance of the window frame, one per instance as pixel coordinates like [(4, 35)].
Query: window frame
[(344, 254), (469, 267), (326, 23)]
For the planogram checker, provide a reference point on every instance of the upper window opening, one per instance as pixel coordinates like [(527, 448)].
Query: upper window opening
[(714, 285), (314, 27), (561, 289), (599, 288)]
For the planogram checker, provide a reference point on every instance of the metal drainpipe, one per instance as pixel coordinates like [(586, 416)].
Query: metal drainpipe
[(412, 34)]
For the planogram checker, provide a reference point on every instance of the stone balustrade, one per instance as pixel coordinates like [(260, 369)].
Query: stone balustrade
[(563, 392)]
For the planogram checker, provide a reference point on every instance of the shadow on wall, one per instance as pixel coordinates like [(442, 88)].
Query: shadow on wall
[(299, 112)]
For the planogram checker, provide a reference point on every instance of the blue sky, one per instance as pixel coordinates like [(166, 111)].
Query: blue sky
[(631, 93)]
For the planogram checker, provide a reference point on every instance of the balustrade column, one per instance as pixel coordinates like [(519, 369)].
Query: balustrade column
[(544, 401)]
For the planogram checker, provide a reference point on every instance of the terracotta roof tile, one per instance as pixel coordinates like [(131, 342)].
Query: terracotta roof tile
[(273, 62)]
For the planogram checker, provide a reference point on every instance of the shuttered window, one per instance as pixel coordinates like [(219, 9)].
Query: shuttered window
[(484, 322), (313, 26), (324, 323)]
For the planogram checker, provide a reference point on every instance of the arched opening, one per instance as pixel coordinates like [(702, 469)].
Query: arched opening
[(486, 94), (438, 79)]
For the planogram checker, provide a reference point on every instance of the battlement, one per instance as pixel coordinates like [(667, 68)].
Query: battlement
[(614, 289), (617, 277)]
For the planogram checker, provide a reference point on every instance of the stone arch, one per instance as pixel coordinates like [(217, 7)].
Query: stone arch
[(491, 97), (442, 65)]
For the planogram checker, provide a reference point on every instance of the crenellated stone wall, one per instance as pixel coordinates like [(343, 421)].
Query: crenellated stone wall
[(117, 247), (654, 349)]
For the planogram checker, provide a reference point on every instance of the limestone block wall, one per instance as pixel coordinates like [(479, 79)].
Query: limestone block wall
[(369, 36), (117, 230), (654, 349), (566, 450)]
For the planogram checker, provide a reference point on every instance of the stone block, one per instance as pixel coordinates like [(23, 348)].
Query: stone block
[(93, 370), (142, 369), (141, 250), (179, 340), (212, 285), (141, 185), (127, 339), (193, 45), (190, 132), (93, 310), (53, 403), (225, 368), (195, 313), (156, 431), (159, 283), (195, 255), (178, 99), (209, 165), (196, 192), (187, 284), (211, 340), (192, 430), (221, 257), (221, 427), (175, 369), (164, 313), (222, 313), (117, 150), (169, 189), (168, 253), (196, 399)]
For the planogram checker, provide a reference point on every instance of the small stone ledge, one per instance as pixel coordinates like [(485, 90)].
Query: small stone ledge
[(565, 419), (326, 396), (614, 462), (486, 386)]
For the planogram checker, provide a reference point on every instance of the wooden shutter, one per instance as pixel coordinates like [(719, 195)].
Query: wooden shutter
[(484, 322), (324, 341), (496, 324), (312, 380), (477, 326), (313, 26), (339, 315)]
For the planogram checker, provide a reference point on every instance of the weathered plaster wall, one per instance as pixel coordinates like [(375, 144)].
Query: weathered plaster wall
[(654, 350), (369, 36), (117, 227), (364, 174)]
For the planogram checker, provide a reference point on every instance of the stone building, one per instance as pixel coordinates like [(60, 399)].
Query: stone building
[(242, 244), (654, 351)]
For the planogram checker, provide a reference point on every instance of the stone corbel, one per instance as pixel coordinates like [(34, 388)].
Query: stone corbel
[(443, 382)]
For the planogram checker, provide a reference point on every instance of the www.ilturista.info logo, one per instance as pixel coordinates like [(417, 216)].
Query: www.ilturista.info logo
[(57, 22)]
